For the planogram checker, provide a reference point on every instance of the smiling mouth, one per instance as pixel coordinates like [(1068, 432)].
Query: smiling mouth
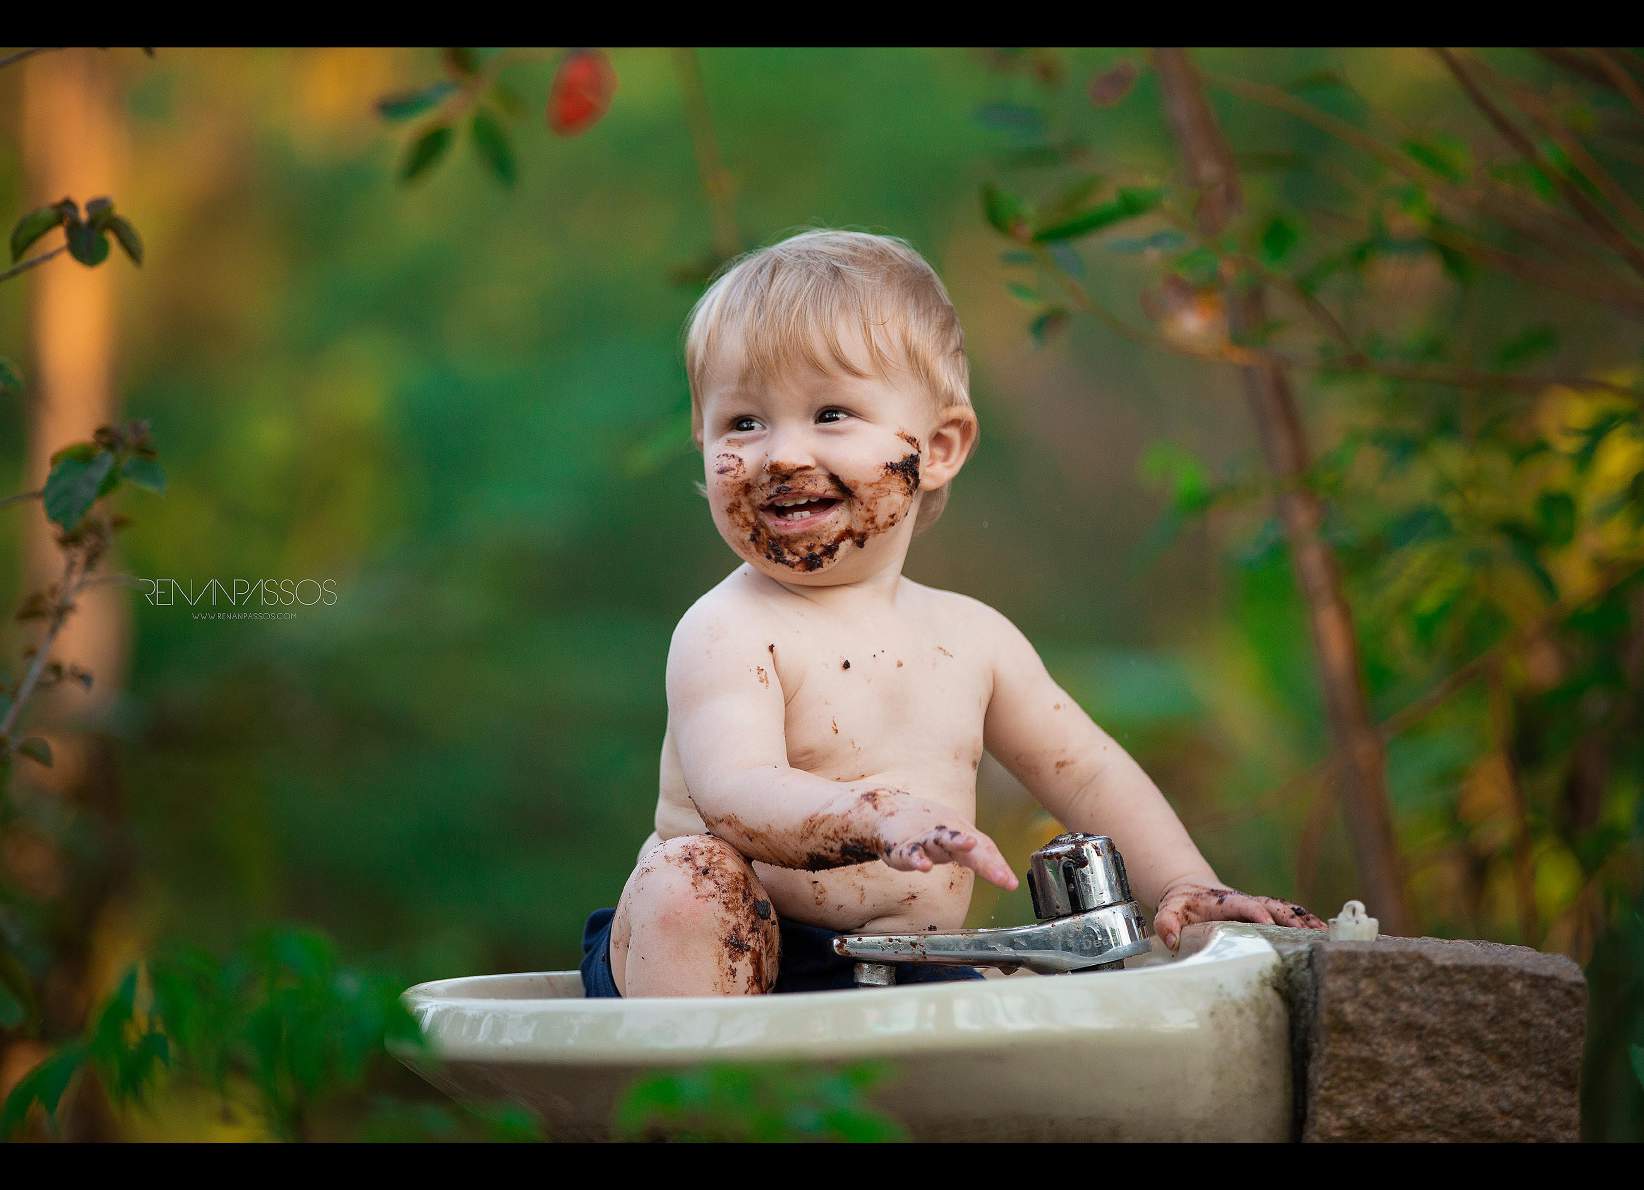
[(798, 515)]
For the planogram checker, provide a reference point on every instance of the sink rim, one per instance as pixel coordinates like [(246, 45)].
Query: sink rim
[(879, 1022)]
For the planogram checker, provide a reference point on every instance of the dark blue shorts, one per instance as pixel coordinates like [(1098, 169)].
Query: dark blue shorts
[(808, 962)]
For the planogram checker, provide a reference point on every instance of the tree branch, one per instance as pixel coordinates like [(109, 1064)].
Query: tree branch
[(1210, 168), (1583, 206)]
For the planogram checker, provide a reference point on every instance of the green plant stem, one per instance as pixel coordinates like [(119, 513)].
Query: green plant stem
[(32, 262), (716, 181), (21, 496), (67, 589)]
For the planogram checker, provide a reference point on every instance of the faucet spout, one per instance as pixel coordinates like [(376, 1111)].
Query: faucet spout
[(1077, 942)]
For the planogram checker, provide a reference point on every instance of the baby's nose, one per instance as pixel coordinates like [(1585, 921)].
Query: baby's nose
[(789, 449)]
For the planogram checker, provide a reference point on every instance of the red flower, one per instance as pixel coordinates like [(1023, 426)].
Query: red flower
[(581, 93)]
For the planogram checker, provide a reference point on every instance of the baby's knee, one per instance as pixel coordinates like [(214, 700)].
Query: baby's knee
[(683, 876)]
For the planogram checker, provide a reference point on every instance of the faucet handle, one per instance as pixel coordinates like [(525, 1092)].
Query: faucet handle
[(1074, 873)]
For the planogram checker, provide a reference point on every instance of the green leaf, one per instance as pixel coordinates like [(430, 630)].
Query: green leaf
[(1129, 204), (1277, 239), (31, 227), (78, 450), (1446, 156), (44, 1085), (11, 380), (1023, 293), (1534, 342), (491, 141), (99, 211), (127, 235), (87, 244), (36, 749), (1526, 176), (1005, 211), (145, 473), (1047, 324), (425, 151), (1201, 267), (72, 487), (1072, 200), (1556, 517), (413, 103), (12, 1011)]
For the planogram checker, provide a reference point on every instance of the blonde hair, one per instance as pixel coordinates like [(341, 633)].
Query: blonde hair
[(786, 296)]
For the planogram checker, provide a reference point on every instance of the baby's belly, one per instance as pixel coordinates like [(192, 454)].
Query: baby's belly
[(872, 897)]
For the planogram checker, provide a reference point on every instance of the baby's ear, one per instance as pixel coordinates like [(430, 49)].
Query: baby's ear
[(951, 442)]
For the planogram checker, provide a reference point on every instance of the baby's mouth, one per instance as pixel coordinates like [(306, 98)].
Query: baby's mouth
[(796, 513)]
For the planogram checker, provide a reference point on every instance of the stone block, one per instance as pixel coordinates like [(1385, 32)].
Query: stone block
[(1410, 1039)]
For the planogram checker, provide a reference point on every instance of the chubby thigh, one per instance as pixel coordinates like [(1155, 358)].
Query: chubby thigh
[(694, 920)]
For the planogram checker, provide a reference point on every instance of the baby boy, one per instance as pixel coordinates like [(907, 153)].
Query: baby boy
[(826, 715)]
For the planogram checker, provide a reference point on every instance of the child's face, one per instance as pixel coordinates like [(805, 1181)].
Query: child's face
[(853, 448)]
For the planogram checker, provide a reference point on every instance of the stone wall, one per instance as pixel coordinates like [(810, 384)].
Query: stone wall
[(1430, 1039)]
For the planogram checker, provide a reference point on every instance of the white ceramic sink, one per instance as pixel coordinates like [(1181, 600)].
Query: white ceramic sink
[(1191, 1047)]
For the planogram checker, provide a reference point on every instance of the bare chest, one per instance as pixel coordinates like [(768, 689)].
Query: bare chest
[(869, 700)]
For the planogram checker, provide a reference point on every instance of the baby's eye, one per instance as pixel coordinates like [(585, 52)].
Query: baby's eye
[(831, 409), (738, 428)]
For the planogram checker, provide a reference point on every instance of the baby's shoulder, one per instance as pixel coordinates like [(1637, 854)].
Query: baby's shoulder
[(960, 611), (733, 603)]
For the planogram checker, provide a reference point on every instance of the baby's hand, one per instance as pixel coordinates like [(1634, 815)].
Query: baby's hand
[(951, 841), (1185, 903)]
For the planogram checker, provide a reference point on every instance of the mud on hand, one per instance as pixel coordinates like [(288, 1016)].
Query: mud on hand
[(1185, 904)]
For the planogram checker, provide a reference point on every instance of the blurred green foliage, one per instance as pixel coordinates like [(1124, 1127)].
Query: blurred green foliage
[(726, 1102), (465, 403)]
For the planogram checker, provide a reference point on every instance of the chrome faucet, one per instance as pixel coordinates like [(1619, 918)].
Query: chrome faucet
[(1088, 921)]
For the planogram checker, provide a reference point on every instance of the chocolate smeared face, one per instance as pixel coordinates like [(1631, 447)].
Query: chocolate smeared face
[(800, 518), (807, 468)]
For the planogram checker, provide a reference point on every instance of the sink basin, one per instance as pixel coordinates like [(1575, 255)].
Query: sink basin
[(1188, 1047)]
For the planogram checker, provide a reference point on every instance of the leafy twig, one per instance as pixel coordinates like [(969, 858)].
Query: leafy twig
[(1583, 206), (31, 262)]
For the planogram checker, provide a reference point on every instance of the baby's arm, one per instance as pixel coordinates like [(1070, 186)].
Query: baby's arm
[(1090, 783), (726, 707)]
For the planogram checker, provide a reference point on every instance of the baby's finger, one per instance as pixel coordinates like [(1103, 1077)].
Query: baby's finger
[(1168, 925), (945, 845), (1252, 910), (908, 857), (987, 862), (1294, 915)]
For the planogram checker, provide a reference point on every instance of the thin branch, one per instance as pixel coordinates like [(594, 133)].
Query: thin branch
[(716, 180), (65, 601), (31, 262), (21, 496), (1500, 200), (1628, 300), (21, 54), (1540, 112), (1620, 79), (1573, 194), (1239, 356)]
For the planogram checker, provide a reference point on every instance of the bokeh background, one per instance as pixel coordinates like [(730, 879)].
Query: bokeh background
[(464, 402)]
